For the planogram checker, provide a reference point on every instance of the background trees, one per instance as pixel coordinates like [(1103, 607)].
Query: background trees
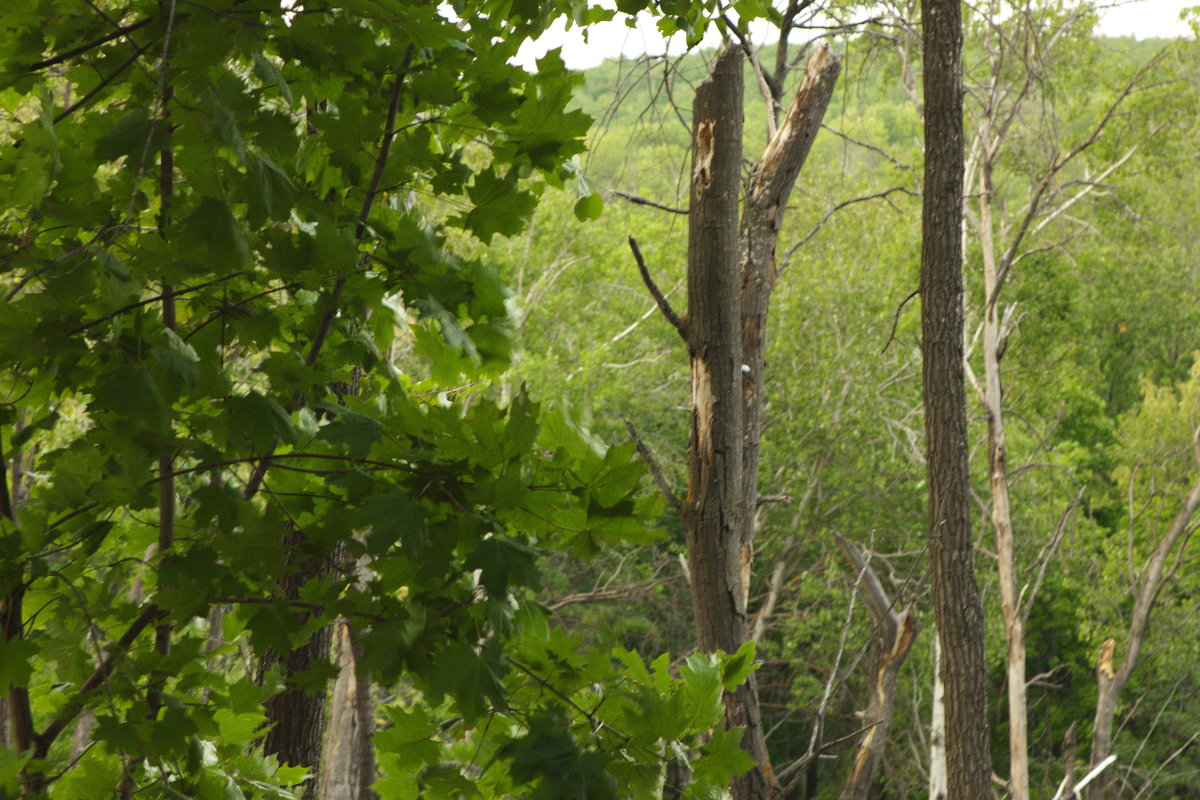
[(333, 423)]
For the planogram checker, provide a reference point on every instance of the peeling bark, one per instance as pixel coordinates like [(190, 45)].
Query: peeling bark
[(731, 271)]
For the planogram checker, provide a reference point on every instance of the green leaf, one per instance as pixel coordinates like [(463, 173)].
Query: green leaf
[(269, 73), (355, 432), (258, 420), (502, 563), (589, 207), (130, 391), (134, 135), (393, 517), (736, 668), (471, 677), (212, 228), (499, 206), (722, 758), (269, 192), (15, 663), (239, 728), (24, 434)]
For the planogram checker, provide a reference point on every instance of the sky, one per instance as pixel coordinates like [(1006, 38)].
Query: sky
[(1143, 19)]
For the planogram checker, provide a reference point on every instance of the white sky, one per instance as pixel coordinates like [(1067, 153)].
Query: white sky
[(1140, 18)]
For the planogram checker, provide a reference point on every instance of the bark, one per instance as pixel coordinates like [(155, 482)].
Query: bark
[(731, 272), (716, 508), (770, 186), (348, 763), (895, 632), (1111, 682), (937, 728), (16, 724), (297, 717), (957, 605)]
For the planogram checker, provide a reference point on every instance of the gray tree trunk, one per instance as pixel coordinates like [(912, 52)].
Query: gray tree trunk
[(731, 272)]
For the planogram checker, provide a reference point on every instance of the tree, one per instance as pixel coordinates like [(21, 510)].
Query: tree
[(245, 347), (1174, 411), (730, 275), (956, 602)]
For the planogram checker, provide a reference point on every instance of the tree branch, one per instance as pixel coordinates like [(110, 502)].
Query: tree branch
[(43, 740), (678, 324), (652, 462), (83, 48), (642, 201)]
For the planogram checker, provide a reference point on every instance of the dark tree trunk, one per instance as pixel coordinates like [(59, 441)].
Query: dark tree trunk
[(957, 605), (297, 717)]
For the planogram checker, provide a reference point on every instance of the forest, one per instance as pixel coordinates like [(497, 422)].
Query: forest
[(814, 415)]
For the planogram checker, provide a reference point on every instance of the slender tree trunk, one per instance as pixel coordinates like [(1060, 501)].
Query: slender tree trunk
[(1111, 682), (994, 337), (16, 725), (957, 605), (937, 727), (297, 717)]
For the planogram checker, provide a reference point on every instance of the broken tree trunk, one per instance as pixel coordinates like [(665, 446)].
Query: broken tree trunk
[(731, 272), (716, 506), (895, 632), (1111, 681)]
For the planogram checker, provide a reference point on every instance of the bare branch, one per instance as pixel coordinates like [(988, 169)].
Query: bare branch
[(655, 469), (642, 201), (896, 319), (663, 304)]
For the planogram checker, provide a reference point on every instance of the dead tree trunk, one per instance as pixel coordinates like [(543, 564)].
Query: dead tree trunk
[(730, 276), (348, 763), (957, 605), (1111, 681), (895, 632), (937, 727), (716, 506), (731, 272)]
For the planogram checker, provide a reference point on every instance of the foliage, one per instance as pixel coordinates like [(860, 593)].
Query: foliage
[(248, 333)]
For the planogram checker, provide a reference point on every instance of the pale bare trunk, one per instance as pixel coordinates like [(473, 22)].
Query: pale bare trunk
[(347, 762), (994, 337), (895, 632), (937, 728), (1111, 681)]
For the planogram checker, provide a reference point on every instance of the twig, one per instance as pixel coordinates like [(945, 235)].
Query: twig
[(116, 73), (652, 462), (816, 228), (46, 738), (83, 48), (149, 300), (642, 201), (896, 319), (664, 305)]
